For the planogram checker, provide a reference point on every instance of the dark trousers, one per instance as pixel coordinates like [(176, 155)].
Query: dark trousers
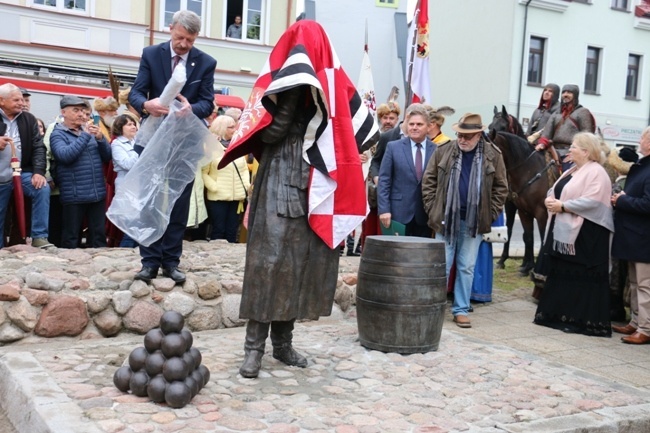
[(224, 219), (167, 250), (419, 230), (73, 217), (55, 229)]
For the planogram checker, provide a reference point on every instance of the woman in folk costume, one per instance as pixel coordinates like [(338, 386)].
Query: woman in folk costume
[(576, 249), (306, 124)]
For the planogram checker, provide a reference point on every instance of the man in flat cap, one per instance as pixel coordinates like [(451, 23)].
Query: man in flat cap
[(464, 188), (79, 149), (27, 103), (565, 123)]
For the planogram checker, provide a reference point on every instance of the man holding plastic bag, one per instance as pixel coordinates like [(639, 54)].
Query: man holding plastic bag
[(162, 179)]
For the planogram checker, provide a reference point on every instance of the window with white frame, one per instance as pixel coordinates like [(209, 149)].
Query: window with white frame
[(620, 4), (536, 50), (633, 74), (253, 19), (592, 70), (169, 7), (62, 5)]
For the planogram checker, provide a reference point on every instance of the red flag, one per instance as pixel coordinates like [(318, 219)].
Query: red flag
[(420, 87)]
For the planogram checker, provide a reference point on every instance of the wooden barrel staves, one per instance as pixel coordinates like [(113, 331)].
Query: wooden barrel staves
[(401, 294)]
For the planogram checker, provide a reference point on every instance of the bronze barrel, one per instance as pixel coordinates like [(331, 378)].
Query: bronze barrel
[(401, 294)]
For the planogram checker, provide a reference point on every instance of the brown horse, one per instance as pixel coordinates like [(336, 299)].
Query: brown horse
[(529, 182)]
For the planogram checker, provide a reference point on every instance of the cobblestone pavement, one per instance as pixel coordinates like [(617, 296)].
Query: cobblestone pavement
[(505, 374), (469, 384)]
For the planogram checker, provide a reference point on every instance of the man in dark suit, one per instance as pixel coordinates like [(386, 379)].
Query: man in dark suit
[(399, 193), (197, 96)]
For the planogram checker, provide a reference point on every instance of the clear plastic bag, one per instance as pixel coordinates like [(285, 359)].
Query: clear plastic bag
[(176, 148)]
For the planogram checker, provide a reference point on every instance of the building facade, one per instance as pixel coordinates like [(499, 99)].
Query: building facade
[(501, 52), (67, 46)]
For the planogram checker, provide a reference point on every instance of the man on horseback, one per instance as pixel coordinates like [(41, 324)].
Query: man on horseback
[(563, 125), (549, 104), (464, 188)]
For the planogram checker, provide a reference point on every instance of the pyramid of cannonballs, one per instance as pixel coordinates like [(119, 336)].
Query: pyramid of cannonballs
[(167, 368)]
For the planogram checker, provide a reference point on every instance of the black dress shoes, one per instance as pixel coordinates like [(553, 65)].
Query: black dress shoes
[(353, 254), (146, 274), (174, 274)]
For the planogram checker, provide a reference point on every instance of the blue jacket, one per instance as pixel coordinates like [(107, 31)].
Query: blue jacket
[(399, 192), (79, 165), (156, 70), (632, 216)]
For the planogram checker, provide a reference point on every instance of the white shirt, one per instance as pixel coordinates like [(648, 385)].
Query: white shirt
[(173, 54)]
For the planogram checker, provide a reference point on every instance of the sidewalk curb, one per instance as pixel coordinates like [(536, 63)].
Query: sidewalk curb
[(608, 420), (34, 402)]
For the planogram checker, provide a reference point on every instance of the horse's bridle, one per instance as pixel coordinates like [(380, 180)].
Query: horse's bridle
[(537, 175)]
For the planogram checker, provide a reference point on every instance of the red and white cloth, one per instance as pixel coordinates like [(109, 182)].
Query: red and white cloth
[(420, 87), (340, 126)]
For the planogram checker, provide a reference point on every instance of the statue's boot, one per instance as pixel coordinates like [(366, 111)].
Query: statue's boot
[(256, 333), (283, 351)]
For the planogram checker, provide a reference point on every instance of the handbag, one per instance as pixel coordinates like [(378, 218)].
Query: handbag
[(497, 234)]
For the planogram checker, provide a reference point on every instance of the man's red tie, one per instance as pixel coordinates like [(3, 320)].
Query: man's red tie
[(175, 61), (418, 161)]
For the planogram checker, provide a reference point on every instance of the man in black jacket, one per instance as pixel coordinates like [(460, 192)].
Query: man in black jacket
[(19, 129)]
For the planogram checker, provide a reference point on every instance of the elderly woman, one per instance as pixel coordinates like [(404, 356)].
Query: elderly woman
[(227, 188), (576, 248)]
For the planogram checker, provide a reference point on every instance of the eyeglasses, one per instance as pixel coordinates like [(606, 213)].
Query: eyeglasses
[(465, 136)]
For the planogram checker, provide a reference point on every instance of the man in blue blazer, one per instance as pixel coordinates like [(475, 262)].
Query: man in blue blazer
[(399, 192), (197, 95)]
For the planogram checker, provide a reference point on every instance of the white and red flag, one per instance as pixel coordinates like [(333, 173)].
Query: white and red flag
[(366, 85), (419, 52)]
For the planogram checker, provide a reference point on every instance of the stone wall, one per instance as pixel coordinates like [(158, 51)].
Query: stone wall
[(91, 293)]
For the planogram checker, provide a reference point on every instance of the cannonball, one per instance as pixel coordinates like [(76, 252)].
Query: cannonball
[(196, 354), (137, 358), (156, 389), (152, 340), (175, 369), (138, 383), (177, 394), (193, 385), (205, 373), (154, 363), (189, 338), (198, 378), (171, 321), (173, 344), (121, 378), (189, 359)]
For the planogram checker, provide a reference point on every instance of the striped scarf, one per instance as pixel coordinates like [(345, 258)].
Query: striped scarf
[(340, 128), (452, 208)]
